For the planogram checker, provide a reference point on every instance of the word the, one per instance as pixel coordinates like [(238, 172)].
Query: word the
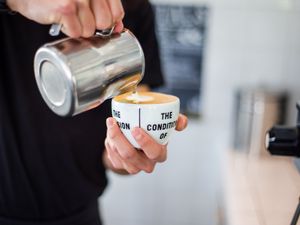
[(116, 113), (167, 115)]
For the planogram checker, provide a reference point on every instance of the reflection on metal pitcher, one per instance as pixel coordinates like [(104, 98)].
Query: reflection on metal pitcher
[(75, 75)]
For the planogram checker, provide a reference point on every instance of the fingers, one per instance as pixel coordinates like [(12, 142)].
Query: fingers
[(113, 155), (151, 148), (117, 160), (119, 27), (122, 154), (69, 19), (80, 18), (86, 17), (182, 122), (102, 14), (116, 10), (108, 13)]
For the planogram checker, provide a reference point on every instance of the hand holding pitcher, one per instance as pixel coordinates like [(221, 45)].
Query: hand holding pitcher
[(79, 18)]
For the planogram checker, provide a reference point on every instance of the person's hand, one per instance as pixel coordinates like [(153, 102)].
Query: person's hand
[(122, 157), (79, 18)]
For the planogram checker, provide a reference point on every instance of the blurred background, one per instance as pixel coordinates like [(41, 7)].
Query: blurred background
[(236, 68)]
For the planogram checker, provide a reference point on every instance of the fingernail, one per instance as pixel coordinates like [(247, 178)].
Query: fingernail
[(136, 133), (110, 122)]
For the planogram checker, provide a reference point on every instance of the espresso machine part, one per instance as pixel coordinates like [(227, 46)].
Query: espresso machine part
[(75, 75), (285, 141), (257, 109), (281, 140)]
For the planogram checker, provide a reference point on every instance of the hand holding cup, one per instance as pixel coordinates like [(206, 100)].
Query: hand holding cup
[(122, 156), (156, 113)]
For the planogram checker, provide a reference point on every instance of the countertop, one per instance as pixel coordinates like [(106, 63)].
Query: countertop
[(259, 189)]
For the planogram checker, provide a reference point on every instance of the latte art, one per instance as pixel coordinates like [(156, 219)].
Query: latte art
[(137, 98), (145, 98), (156, 113)]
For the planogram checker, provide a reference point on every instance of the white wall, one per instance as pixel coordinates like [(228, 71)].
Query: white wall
[(250, 43)]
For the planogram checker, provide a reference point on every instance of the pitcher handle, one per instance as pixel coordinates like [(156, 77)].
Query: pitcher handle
[(55, 30)]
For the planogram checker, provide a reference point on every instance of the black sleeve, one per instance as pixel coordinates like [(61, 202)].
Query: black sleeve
[(139, 18)]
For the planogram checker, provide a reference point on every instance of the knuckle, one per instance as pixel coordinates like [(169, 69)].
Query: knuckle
[(112, 133), (144, 142), (114, 150), (106, 143), (104, 23), (74, 33), (154, 156), (163, 157), (149, 169), (127, 155), (159, 156), (82, 2), (110, 158), (117, 165), (88, 32), (133, 171), (118, 15), (67, 7)]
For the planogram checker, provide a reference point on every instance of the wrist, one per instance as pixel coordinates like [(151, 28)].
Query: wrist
[(5, 6)]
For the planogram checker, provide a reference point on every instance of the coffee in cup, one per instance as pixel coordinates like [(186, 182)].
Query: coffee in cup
[(156, 113)]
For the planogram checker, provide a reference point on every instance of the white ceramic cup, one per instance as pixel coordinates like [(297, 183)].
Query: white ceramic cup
[(157, 119)]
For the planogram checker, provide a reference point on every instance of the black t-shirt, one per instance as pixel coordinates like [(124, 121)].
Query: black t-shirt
[(51, 167)]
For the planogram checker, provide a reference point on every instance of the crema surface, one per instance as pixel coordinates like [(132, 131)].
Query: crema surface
[(145, 98)]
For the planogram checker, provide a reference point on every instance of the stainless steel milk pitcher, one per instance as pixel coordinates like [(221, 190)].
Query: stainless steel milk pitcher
[(75, 75)]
